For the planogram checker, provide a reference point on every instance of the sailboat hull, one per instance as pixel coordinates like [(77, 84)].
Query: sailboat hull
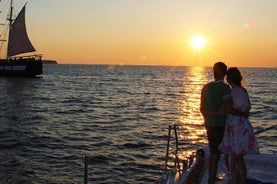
[(21, 67)]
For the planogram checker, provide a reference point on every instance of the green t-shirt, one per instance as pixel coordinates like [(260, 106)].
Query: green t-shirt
[(213, 95)]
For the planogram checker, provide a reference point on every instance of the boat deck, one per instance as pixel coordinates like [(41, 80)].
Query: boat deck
[(261, 169)]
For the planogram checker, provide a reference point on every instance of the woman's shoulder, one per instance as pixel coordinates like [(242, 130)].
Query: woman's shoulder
[(239, 89), (240, 96)]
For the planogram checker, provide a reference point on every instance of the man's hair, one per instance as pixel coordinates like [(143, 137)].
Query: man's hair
[(220, 69)]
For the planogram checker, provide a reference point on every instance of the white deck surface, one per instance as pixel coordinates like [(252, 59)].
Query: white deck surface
[(261, 169)]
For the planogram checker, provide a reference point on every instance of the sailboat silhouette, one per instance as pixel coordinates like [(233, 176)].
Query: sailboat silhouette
[(19, 43)]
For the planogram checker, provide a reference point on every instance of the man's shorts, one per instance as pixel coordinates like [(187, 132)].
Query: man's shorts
[(215, 136)]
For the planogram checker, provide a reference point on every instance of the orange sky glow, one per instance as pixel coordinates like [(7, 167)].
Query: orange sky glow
[(156, 32)]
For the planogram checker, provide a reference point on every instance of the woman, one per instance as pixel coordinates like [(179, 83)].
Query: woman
[(239, 138)]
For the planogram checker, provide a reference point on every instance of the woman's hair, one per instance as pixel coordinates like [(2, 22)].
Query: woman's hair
[(234, 75)]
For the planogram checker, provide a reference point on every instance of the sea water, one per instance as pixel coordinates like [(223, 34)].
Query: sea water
[(118, 116)]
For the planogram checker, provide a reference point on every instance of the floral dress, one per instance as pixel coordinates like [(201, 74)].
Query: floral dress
[(239, 137)]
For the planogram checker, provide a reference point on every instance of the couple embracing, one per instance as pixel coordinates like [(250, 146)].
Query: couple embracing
[(225, 109)]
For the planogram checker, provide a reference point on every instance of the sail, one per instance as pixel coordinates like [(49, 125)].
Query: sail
[(19, 42)]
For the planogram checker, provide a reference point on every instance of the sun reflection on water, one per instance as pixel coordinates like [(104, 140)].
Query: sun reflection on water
[(191, 121)]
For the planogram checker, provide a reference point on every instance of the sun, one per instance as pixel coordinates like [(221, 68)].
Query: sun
[(198, 42)]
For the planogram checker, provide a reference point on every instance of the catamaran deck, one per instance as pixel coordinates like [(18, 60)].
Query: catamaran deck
[(261, 168)]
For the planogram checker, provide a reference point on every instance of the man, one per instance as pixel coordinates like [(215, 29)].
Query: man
[(213, 96)]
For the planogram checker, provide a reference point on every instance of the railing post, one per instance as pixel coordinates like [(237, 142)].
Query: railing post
[(86, 170), (167, 148), (176, 162), (176, 139)]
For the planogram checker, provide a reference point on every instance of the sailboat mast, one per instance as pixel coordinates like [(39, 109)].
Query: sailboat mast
[(11, 15), (10, 19)]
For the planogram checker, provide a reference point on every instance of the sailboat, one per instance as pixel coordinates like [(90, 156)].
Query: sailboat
[(16, 64)]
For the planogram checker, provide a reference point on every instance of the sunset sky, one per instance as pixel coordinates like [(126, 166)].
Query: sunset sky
[(153, 32)]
